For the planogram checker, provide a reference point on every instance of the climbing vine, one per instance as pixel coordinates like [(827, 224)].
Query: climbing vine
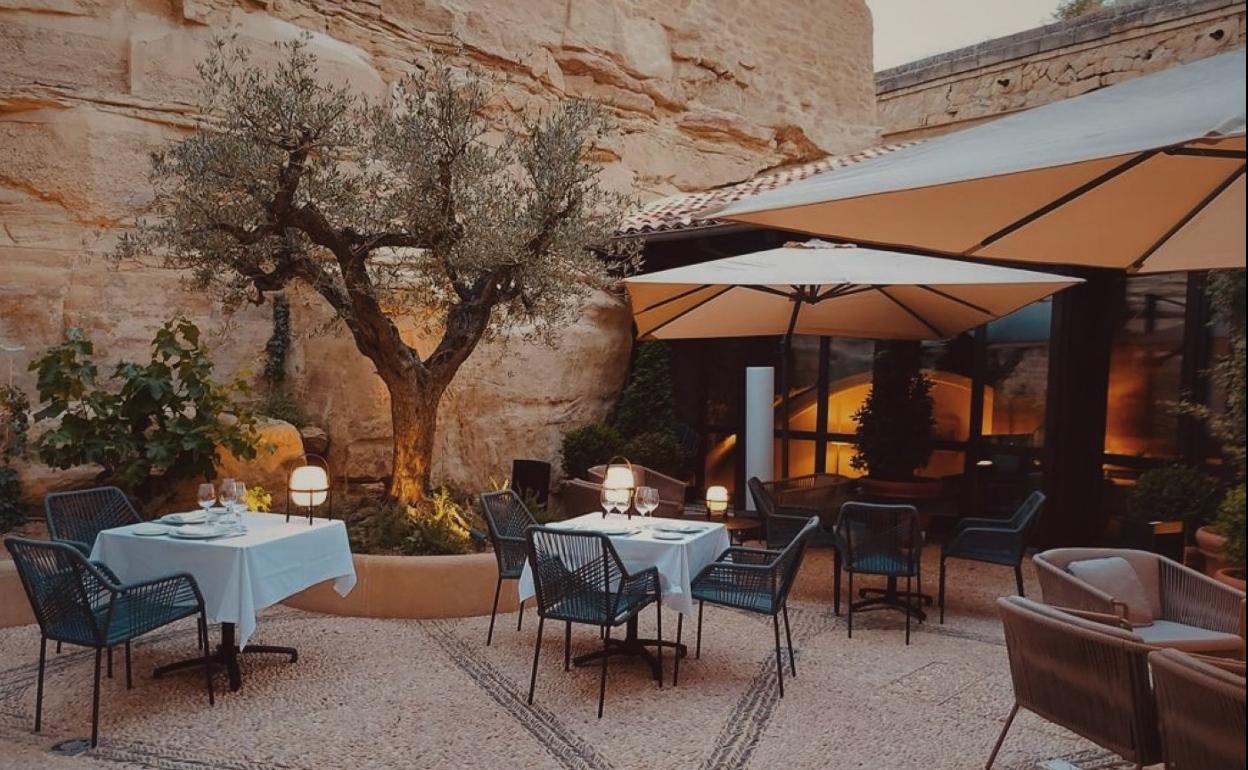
[(278, 345)]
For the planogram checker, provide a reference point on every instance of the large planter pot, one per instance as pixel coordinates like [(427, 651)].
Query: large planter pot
[(1209, 545), (14, 607), (1233, 577), (414, 587), (915, 489)]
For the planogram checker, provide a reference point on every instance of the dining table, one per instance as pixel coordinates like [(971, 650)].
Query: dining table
[(679, 548), (270, 557)]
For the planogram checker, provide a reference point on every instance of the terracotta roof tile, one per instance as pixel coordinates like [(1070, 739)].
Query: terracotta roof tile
[(688, 210)]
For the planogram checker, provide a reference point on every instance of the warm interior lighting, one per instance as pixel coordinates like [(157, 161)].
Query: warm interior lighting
[(309, 486), (618, 484), (717, 499)]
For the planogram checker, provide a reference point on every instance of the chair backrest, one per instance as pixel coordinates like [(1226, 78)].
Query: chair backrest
[(579, 497), (571, 564), (763, 502), (1089, 678), (1061, 588), (63, 589), (1200, 709), (879, 532), (1028, 513), (789, 563), (506, 516), (82, 514)]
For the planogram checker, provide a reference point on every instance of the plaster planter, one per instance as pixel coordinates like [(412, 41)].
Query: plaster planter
[(1231, 577), (414, 587), (1210, 544), (916, 489), (14, 607)]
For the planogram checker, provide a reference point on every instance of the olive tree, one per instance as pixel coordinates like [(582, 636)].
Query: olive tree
[(431, 210)]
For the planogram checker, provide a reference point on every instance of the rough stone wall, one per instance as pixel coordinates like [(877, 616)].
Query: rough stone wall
[(705, 92), (960, 88)]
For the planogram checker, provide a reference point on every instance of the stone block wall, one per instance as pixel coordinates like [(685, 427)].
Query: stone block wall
[(961, 88), (705, 92)]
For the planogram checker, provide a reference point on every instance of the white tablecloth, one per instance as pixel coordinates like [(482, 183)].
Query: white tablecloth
[(679, 561), (239, 576)]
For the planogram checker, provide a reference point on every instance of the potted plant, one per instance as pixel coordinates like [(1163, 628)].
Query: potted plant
[(1164, 504), (1230, 525), (896, 426)]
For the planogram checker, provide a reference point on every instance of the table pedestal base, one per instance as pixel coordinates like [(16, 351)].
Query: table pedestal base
[(226, 656), (632, 645), (891, 598)]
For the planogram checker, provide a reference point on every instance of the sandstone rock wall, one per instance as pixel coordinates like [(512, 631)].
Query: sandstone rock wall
[(705, 92), (960, 88)]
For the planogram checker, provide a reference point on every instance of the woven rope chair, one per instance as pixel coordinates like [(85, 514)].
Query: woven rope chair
[(809, 491), (883, 540), (77, 602), (1200, 708), (508, 519), (1191, 611), (579, 578), (754, 580), (993, 541), (1090, 678), (78, 517)]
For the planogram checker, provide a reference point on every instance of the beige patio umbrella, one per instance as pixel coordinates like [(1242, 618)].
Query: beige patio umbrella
[(1146, 175), (830, 289)]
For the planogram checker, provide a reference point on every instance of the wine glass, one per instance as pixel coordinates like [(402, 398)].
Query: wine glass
[(229, 495), (646, 500), (607, 499), (240, 490), (207, 496)]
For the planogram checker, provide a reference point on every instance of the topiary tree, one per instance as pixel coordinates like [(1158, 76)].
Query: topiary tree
[(423, 211), (895, 422), (647, 404)]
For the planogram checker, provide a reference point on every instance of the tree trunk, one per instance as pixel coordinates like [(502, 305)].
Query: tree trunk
[(414, 415)]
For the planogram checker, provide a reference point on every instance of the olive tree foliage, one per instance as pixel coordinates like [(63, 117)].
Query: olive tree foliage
[(430, 210)]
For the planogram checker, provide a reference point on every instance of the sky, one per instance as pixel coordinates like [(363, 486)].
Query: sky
[(906, 30)]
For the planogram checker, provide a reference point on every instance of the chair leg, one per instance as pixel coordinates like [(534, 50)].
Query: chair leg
[(775, 624), (1001, 738), (698, 647), (908, 612), (110, 662), (680, 622), (129, 682), (203, 621), (95, 700), (836, 582), (537, 650), (941, 592), (58, 647), (788, 637), (658, 618), (851, 604), (602, 682), (1018, 579), (489, 635), (520, 619), (567, 646), (43, 656)]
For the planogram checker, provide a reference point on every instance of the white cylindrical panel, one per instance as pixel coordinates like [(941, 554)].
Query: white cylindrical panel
[(760, 429)]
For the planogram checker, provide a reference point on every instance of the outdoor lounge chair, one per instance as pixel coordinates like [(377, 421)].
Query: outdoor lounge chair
[(508, 519), (814, 497), (579, 578), (1165, 603), (1200, 709), (1088, 677), (79, 602), (883, 540), (578, 497), (994, 541), (753, 580), (77, 517), (671, 491)]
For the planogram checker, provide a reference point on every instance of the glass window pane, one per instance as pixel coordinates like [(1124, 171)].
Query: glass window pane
[(1016, 377)]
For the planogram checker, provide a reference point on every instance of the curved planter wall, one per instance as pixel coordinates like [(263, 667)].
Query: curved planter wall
[(14, 607), (414, 587)]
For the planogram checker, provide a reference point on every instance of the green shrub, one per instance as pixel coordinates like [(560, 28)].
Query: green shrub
[(1171, 493), (1230, 524), (657, 449), (14, 425), (279, 405), (11, 511), (159, 422), (278, 345), (588, 446), (895, 423), (381, 526), (646, 404)]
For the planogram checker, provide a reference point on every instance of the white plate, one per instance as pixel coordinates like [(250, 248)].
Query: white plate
[(663, 535), (199, 531), (682, 528), (190, 517), (148, 529)]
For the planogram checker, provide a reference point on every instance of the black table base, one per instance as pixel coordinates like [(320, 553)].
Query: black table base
[(226, 656), (890, 598), (633, 646)]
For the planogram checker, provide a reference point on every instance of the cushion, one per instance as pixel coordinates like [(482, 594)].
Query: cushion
[(1115, 576), (1179, 636)]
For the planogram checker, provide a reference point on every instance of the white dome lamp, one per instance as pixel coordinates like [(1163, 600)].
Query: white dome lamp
[(618, 484), (308, 487)]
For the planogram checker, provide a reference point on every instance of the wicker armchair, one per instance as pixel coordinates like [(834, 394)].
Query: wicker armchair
[(579, 578), (1191, 612), (994, 541), (1088, 677), (77, 517), (824, 492), (754, 580), (508, 519), (814, 496), (883, 540), (77, 602), (1200, 708), (671, 491)]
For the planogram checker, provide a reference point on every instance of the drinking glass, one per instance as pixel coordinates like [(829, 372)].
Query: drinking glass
[(608, 503), (647, 500), (240, 490), (207, 496), (229, 495)]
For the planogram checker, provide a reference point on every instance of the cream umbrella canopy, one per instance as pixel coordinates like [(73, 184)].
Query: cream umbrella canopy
[(829, 289), (1146, 175)]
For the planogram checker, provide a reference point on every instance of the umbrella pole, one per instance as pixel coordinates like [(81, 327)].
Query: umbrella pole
[(785, 347)]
